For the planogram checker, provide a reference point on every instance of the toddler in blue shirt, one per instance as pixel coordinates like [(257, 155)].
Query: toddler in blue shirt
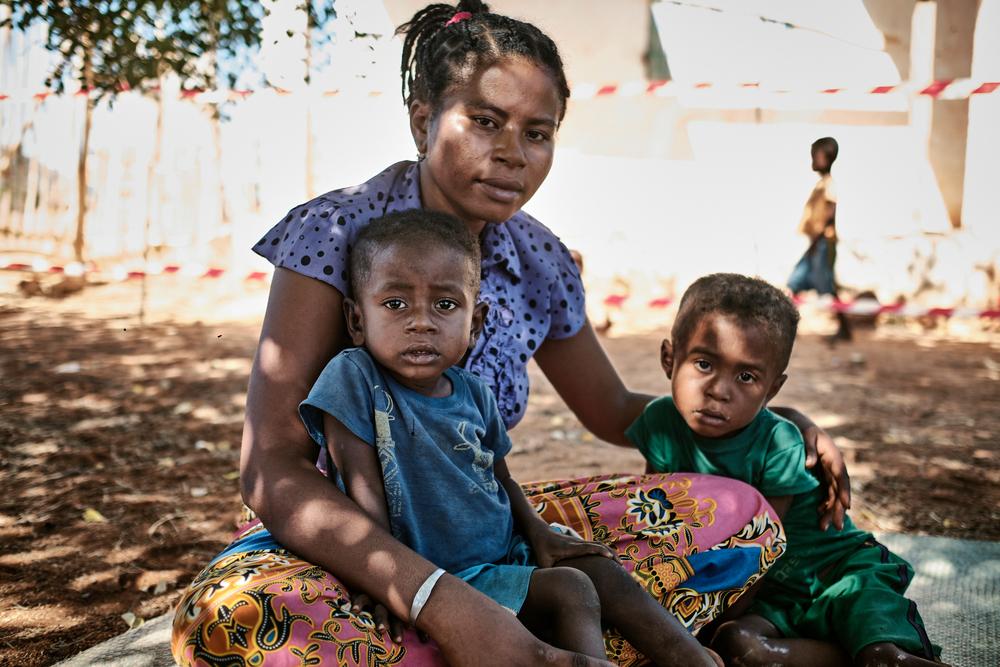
[(418, 443)]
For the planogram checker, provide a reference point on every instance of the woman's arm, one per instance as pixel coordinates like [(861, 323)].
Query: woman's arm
[(583, 376), (358, 466), (820, 447), (303, 328)]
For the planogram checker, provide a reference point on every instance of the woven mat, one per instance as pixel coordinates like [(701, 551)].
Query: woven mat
[(957, 589)]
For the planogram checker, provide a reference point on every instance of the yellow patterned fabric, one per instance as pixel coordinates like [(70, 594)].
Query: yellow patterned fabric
[(695, 542)]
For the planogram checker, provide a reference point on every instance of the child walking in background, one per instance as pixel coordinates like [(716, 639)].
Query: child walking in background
[(835, 596), (418, 443), (815, 270)]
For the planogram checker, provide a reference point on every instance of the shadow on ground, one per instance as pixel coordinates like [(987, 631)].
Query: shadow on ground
[(119, 453), (118, 463)]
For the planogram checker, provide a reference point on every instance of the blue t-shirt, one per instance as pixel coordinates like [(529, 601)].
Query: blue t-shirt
[(529, 279), (436, 456)]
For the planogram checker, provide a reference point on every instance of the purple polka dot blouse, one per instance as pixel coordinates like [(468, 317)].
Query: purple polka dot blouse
[(529, 279)]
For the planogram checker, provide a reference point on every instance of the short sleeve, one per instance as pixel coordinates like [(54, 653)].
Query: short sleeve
[(567, 308), (343, 391), (496, 431), (313, 240), (784, 472)]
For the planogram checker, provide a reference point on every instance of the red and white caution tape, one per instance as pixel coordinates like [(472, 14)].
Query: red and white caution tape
[(872, 307), (121, 273), (943, 89), (859, 307), (612, 301)]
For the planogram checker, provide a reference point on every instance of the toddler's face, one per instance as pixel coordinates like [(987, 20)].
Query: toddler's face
[(417, 314), (725, 375)]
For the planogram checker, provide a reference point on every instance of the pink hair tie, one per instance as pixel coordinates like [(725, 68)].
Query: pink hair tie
[(459, 16)]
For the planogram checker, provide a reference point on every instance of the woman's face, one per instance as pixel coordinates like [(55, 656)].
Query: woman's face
[(490, 145)]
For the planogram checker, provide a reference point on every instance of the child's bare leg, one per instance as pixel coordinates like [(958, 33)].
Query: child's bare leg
[(562, 607), (890, 655), (753, 641), (646, 625)]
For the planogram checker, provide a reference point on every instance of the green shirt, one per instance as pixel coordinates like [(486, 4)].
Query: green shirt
[(768, 454)]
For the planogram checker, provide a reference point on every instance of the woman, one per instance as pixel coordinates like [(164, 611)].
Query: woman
[(486, 95)]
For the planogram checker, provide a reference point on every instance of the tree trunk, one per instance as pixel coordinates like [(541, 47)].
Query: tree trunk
[(29, 223), (217, 140), (310, 182), (81, 166), (211, 77), (7, 156), (151, 201)]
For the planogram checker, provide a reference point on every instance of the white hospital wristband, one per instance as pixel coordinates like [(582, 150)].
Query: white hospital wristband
[(423, 593)]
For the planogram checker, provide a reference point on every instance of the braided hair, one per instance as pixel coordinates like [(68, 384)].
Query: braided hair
[(442, 47)]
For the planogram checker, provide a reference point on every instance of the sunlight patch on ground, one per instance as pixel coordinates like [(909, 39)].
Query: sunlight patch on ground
[(828, 420), (44, 617), (26, 557), (98, 423), (949, 464), (126, 554), (141, 498), (88, 402), (36, 448), (152, 578), (91, 579)]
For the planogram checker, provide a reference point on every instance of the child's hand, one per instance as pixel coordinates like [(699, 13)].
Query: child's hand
[(383, 619), (551, 547)]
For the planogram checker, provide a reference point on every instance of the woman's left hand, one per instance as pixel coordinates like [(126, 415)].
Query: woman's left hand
[(833, 471), (551, 547)]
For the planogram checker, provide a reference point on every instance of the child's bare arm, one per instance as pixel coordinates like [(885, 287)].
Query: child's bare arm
[(525, 516), (357, 463), (548, 545), (780, 504)]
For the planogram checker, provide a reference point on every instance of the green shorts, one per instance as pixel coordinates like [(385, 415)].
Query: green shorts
[(861, 603)]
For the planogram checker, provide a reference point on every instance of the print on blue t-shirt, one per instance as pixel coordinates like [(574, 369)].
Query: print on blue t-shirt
[(436, 456)]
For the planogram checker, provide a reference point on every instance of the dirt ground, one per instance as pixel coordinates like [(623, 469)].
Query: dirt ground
[(119, 443)]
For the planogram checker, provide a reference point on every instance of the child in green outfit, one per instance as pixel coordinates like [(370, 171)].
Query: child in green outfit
[(835, 597)]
